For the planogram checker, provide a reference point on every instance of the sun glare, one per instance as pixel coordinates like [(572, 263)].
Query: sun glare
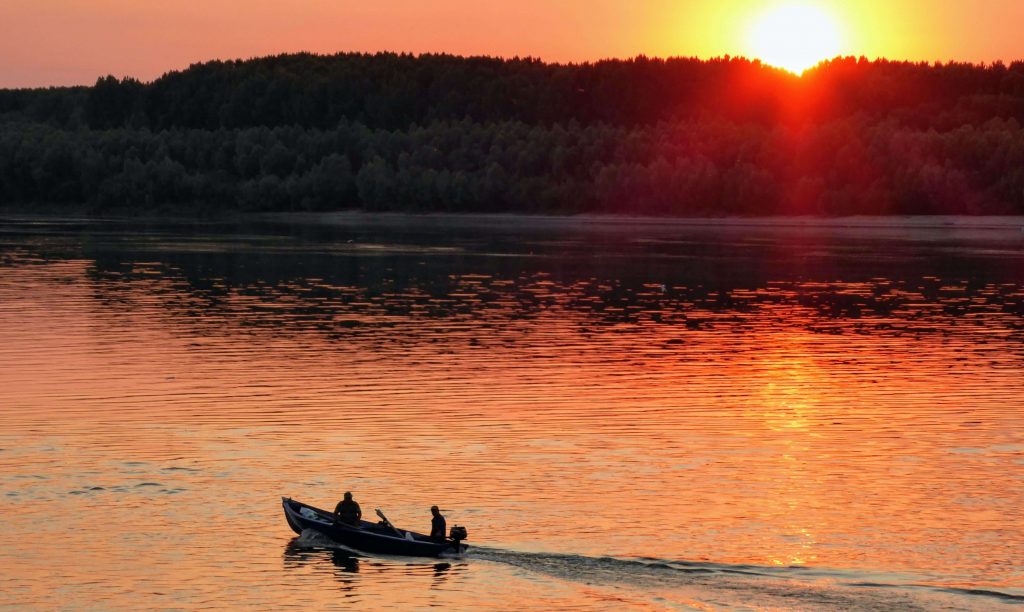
[(794, 36)]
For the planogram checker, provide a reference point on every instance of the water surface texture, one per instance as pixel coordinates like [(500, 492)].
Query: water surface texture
[(641, 416)]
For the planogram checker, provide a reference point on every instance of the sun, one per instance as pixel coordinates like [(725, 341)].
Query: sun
[(794, 36)]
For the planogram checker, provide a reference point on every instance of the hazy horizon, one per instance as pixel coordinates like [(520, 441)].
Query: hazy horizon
[(70, 42), (92, 81)]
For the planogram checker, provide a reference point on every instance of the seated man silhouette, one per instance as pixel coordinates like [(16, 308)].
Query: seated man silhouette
[(348, 511)]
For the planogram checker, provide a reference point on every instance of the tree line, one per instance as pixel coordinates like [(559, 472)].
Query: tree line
[(443, 133)]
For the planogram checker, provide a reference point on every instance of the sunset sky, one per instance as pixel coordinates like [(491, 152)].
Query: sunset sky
[(62, 42)]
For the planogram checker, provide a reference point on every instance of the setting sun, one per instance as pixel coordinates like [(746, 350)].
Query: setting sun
[(794, 36)]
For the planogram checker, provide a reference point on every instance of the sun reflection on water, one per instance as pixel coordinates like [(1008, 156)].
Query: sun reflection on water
[(870, 424)]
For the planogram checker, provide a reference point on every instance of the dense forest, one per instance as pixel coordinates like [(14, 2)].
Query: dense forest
[(442, 133)]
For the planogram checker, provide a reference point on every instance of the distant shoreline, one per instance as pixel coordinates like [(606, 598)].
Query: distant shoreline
[(439, 220), (993, 222)]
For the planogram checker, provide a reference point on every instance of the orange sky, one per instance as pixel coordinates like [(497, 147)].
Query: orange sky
[(59, 42)]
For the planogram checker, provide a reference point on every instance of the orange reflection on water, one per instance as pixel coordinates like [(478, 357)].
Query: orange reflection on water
[(763, 426)]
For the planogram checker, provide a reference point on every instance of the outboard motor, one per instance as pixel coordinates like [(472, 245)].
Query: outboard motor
[(458, 534)]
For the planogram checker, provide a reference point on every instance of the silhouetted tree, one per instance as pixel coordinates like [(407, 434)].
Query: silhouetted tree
[(438, 132)]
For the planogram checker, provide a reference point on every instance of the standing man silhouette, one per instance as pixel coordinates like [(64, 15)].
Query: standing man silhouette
[(437, 525)]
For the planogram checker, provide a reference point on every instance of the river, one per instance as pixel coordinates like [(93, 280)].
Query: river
[(624, 414)]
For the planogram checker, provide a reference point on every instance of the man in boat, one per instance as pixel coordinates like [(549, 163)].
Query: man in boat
[(348, 511), (437, 525)]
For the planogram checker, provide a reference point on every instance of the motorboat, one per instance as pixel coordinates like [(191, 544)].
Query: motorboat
[(366, 536)]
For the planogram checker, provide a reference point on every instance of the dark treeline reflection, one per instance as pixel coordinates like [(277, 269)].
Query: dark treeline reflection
[(443, 133), (364, 283)]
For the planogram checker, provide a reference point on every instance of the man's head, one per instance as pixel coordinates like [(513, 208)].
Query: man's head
[(434, 510), (348, 495)]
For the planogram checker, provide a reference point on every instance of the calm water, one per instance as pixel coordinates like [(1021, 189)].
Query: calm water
[(624, 417)]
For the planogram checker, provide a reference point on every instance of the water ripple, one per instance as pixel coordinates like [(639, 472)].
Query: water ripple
[(738, 402)]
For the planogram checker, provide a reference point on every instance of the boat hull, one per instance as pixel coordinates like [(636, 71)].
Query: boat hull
[(367, 537)]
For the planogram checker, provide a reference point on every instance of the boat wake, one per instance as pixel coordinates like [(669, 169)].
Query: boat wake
[(311, 538), (669, 582), (749, 585)]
